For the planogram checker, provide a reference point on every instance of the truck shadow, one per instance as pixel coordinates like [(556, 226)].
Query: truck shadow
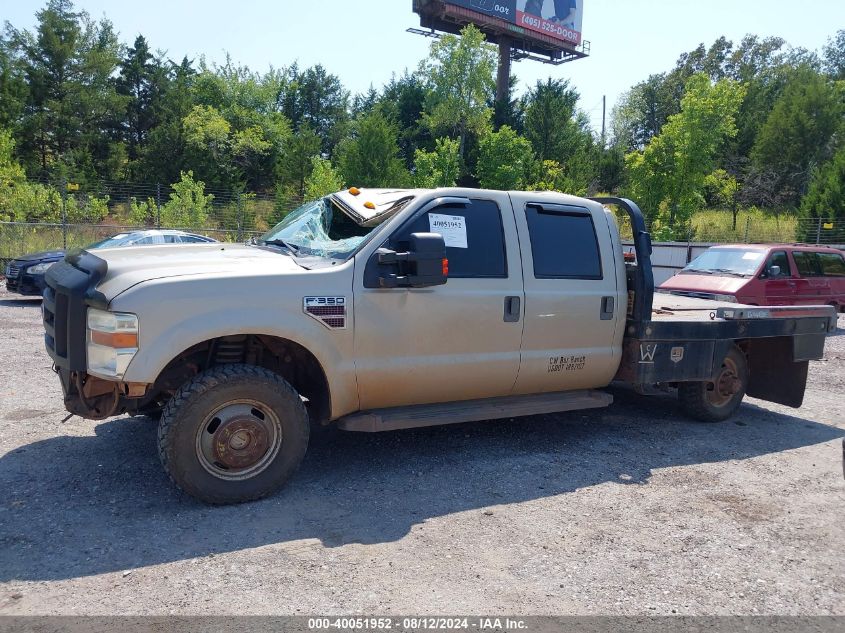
[(76, 506)]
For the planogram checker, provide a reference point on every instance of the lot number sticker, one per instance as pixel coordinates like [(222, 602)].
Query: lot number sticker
[(453, 228)]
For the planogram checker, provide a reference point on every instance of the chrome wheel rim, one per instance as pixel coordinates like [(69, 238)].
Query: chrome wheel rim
[(239, 439)]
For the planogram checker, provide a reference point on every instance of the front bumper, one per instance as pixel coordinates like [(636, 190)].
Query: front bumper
[(25, 284)]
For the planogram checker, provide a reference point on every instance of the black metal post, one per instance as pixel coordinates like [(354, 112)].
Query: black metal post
[(158, 205), (64, 214)]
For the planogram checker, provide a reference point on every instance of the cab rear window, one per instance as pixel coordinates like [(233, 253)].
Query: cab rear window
[(564, 244)]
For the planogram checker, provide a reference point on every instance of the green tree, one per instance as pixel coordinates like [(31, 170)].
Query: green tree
[(317, 99), (12, 178), (825, 199), (166, 153), (505, 160), (722, 189), (560, 134), (370, 156), (459, 73), (834, 56), (142, 81), (323, 180), (668, 176), (550, 120), (69, 63), (403, 101), (188, 205), (438, 168), (13, 86), (798, 133), (297, 160)]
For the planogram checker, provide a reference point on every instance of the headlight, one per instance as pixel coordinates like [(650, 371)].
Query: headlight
[(112, 342), (39, 269), (728, 298)]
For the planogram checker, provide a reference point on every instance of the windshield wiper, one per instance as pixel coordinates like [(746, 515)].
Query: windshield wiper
[(697, 270), (293, 248), (728, 271)]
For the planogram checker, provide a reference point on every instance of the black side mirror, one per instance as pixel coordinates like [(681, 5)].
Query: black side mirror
[(424, 264), (774, 271)]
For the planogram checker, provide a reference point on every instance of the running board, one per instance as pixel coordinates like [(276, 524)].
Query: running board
[(419, 415)]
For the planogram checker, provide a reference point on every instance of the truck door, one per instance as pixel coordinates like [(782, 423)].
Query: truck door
[(458, 341), (575, 297)]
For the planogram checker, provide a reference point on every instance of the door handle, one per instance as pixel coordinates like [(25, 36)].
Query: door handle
[(607, 308), (512, 309)]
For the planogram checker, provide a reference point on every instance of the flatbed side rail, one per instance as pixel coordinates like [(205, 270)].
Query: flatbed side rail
[(644, 283)]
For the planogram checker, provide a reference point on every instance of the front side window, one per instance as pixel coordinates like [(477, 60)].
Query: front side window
[(779, 259), (833, 264), (564, 244), (475, 245)]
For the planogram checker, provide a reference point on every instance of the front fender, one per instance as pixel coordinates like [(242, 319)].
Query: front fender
[(174, 315)]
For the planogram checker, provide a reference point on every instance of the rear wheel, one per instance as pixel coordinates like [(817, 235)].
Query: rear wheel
[(234, 433), (718, 400)]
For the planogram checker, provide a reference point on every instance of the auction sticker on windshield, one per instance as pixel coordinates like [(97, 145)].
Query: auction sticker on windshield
[(453, 228)]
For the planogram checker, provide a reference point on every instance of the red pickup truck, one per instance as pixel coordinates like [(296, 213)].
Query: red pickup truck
[(764, 274)]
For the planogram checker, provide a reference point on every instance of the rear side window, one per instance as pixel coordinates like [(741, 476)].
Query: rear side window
[(564, 244), (833, 264), (475, 244), (807, 263), (170, 238)]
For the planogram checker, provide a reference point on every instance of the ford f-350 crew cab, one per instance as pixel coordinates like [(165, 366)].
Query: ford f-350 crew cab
[(386, 309)]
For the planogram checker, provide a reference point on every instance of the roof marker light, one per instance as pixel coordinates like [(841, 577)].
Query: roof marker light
[(354, 191), (369, 205)]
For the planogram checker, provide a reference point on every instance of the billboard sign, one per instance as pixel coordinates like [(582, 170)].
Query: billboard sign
[(558, 19)]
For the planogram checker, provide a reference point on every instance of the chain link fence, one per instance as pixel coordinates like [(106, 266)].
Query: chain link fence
[(62, 216)]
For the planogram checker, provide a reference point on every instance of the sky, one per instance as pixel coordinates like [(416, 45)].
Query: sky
[(364, 43)]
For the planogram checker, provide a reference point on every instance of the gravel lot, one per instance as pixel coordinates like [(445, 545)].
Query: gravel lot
[(629, 510)]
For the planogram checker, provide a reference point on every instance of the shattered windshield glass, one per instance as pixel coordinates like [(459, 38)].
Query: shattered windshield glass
[(318, 228)]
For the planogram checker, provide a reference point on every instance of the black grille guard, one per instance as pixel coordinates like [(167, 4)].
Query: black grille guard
[(71, 286)]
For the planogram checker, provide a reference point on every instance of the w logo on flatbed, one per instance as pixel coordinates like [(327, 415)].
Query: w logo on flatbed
[(647, 352)]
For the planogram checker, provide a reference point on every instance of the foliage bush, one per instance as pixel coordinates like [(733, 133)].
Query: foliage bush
[(188, 205), (438, 168)]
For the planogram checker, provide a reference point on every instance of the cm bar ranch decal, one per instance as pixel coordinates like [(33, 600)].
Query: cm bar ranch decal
[(567, 363), (453, 228)]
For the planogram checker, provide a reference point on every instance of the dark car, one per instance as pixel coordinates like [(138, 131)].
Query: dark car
[(25, 274)]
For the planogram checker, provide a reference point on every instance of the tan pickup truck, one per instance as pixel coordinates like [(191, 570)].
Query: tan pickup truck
[(385, 309)]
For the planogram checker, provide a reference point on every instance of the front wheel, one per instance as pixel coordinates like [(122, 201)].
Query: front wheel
[(718, 400), (234, 433)]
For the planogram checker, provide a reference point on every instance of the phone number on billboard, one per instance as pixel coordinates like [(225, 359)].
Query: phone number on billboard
[(549, 27)]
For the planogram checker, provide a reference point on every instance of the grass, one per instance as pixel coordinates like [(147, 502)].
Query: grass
[(752, 225)]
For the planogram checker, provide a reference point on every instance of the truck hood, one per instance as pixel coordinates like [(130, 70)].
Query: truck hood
[(131, 265), (705, 283)]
